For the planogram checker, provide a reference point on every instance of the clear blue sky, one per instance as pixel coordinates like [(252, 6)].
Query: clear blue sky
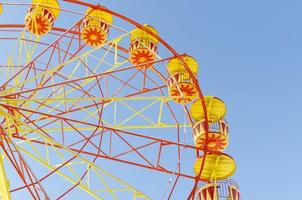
[(250, 56)]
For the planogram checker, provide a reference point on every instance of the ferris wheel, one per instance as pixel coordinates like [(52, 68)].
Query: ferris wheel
[(94, 105)]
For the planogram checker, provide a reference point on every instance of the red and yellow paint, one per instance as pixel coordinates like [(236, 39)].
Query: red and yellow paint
[(41, 16), (95, 27), (143, 46), (181, 83)]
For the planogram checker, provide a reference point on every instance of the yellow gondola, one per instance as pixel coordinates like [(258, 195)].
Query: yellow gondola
[(215, 107), (180, 83), (41, 16), (143, 46), (95, 27), (1, 8), (218, 135), (216, 167)]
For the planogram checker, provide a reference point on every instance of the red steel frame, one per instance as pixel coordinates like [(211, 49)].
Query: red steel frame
[(158, 144)]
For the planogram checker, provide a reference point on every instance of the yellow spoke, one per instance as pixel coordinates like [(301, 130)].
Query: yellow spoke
[(138, 113), (85, 82), (157, 126), (45, 164), (4, 184), (94, 167), (94, 114), (111, 99), (160, 112)]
